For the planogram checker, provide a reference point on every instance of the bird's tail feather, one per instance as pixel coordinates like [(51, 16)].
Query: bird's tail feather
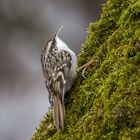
[(58, 112)]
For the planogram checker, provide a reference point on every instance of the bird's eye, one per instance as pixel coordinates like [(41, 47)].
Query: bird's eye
[(53, 42)]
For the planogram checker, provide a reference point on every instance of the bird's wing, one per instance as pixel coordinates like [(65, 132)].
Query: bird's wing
[(61, 71), (56, 68)]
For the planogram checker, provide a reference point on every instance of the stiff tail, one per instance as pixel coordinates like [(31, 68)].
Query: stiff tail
[(58, 112)]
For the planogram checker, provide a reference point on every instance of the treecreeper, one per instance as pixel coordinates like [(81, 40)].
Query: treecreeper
[(59, 65)]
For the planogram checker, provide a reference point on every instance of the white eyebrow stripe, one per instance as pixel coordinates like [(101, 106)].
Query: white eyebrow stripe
[(49, 45)]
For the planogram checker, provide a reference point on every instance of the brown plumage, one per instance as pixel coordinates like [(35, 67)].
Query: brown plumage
[(59, 65)]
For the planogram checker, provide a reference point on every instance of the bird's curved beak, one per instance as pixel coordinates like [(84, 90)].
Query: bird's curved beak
[(56, 34)]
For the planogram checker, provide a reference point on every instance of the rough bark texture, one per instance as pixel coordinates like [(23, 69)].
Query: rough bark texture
[(106, 104)]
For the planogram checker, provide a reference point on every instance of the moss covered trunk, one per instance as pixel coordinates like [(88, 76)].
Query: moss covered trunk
[(105, 104)]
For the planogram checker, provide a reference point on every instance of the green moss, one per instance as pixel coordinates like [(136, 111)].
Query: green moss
[(106, 104)]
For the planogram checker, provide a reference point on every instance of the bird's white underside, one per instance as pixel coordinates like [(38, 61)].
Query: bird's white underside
[(72, 74)]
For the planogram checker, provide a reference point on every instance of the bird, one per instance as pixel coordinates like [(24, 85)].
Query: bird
[(59, 65)]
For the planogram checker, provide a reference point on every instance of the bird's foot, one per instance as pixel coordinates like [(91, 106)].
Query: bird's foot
[(51, 105)]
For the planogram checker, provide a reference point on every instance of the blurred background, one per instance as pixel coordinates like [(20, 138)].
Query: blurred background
[(24, 27)]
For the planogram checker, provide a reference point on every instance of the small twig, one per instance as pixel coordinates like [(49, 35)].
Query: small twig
[(84, 67)]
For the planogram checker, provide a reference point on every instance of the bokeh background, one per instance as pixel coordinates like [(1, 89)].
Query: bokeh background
[(24, 27)]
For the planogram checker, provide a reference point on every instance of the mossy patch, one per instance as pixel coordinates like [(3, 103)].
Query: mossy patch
[(106, 104)]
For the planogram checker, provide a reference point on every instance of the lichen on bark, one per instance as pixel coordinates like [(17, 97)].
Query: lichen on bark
[(106, 104)]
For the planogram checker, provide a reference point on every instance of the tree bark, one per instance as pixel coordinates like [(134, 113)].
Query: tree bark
[(105, 104)]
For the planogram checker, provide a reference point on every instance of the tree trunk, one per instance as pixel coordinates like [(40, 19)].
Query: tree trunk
[(105, 104)]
